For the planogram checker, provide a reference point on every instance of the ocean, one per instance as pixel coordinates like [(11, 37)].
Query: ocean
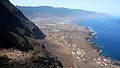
[(107, 35)]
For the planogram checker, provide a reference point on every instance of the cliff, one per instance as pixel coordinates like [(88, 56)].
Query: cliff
[(22, 43), (15, 28)]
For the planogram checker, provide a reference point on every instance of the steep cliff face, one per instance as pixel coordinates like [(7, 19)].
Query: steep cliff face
[(23, 41), (15, 28)]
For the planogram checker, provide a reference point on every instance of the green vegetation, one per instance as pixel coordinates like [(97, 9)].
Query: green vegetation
[(35, 54), (38, 55), (31, 51)]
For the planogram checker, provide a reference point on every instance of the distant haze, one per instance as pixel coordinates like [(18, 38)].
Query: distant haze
[(105, 6)]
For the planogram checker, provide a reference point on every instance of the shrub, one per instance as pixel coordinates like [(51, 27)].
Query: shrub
[(31, 51), (38, 55)]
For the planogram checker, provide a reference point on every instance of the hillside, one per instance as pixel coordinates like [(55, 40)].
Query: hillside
[(15, 28), (72, 46), (22, 43), (48, 12)]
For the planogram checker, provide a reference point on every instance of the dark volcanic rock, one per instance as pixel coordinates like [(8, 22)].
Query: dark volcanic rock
[(15, 28), (16, 31)]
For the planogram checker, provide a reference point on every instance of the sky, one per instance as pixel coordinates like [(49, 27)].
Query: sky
[(105, 6)]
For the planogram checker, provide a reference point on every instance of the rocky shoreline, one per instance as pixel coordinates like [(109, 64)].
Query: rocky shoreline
[(97, 47)]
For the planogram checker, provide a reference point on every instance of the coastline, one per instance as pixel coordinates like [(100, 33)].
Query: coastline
[(73, 46), (97, 47)]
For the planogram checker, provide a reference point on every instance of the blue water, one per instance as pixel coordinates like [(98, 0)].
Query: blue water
[(108, 35)]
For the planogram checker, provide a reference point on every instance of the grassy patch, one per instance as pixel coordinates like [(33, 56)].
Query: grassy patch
[(31, 51)]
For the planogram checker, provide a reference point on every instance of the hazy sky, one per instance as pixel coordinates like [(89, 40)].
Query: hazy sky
[(105, 6)]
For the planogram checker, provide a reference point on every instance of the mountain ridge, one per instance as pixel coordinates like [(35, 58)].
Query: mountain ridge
[(48, 11)]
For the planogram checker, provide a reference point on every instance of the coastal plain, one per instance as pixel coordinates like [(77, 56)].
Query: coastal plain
[(71, 45)]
